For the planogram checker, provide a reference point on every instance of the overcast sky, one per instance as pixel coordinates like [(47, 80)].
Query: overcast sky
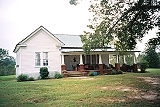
[(19, 18)]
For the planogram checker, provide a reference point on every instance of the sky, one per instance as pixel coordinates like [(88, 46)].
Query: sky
[(19, 18)]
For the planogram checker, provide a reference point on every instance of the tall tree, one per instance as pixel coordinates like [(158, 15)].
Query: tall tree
[(7, 63), (151, 56), (120, 22), (155, 41), (3, 55)]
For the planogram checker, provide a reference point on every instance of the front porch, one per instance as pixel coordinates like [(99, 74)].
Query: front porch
[(99, 63)]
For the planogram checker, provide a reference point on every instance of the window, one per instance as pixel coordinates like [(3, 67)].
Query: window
[(37, 59), (45, 58), (41, 59)]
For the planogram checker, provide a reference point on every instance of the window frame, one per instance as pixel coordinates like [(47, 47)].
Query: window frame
[(43, 59), (36, 59)]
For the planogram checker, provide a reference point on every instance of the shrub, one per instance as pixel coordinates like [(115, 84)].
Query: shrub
[(113, 72), (22, 77), (119, 72), (91, 73), (143, 66), (30, 79), (57, 75), (44, 72)]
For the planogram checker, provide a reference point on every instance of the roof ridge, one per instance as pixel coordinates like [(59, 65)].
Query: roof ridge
[(67, 34)]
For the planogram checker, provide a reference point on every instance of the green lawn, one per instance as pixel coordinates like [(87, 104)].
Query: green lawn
[(126, 90)]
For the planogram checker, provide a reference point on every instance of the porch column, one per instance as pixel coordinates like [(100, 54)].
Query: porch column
[(134, 59), (117, 61), (124, 64), (100, 64), (135, 69), (63, 67), (117, 64), (81, 65), (100, 59), (81, 59)]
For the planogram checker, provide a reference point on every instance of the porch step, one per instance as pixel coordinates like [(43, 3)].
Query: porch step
[(74, 73)]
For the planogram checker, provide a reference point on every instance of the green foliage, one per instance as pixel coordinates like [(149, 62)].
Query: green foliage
[(156, 41), (91, 73), (112, 23), (57, 75), (119, 72), (44, 72), (151, 56), (73, 2), (7, 63), (143, 66), (3, 53), (113, 72), (22, 77), (30, 79)]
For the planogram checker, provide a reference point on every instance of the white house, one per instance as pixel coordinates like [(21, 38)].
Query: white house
[(57, 52)]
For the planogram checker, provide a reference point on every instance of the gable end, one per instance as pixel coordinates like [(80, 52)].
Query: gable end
[(22, 43)]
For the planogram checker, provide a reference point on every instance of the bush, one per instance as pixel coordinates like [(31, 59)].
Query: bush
[(143, 66), (113, 72), (119, 72), (30, 79), (44, 72), (57, 75), (22, 77), (91, 73)]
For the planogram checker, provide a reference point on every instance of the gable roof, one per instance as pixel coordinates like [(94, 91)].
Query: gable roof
[(32, 34), (68, 43)]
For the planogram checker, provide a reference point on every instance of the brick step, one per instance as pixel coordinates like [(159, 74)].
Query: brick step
[(74, 73)]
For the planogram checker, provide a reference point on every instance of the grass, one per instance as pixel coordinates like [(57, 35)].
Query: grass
[(97, 91), (7, 78)]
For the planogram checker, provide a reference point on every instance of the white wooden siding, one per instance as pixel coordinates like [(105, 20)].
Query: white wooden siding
[(18, 63), (40, 42)]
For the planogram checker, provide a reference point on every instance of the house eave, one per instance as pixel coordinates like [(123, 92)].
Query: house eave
[(79, 49), (18, 46)]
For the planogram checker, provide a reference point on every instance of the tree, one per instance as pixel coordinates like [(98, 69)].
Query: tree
[(7, 63), (155, 41), (120, 22), (3, 55), (151, 56)]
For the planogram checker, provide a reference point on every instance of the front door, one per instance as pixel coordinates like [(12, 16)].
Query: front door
[(71, 62)]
